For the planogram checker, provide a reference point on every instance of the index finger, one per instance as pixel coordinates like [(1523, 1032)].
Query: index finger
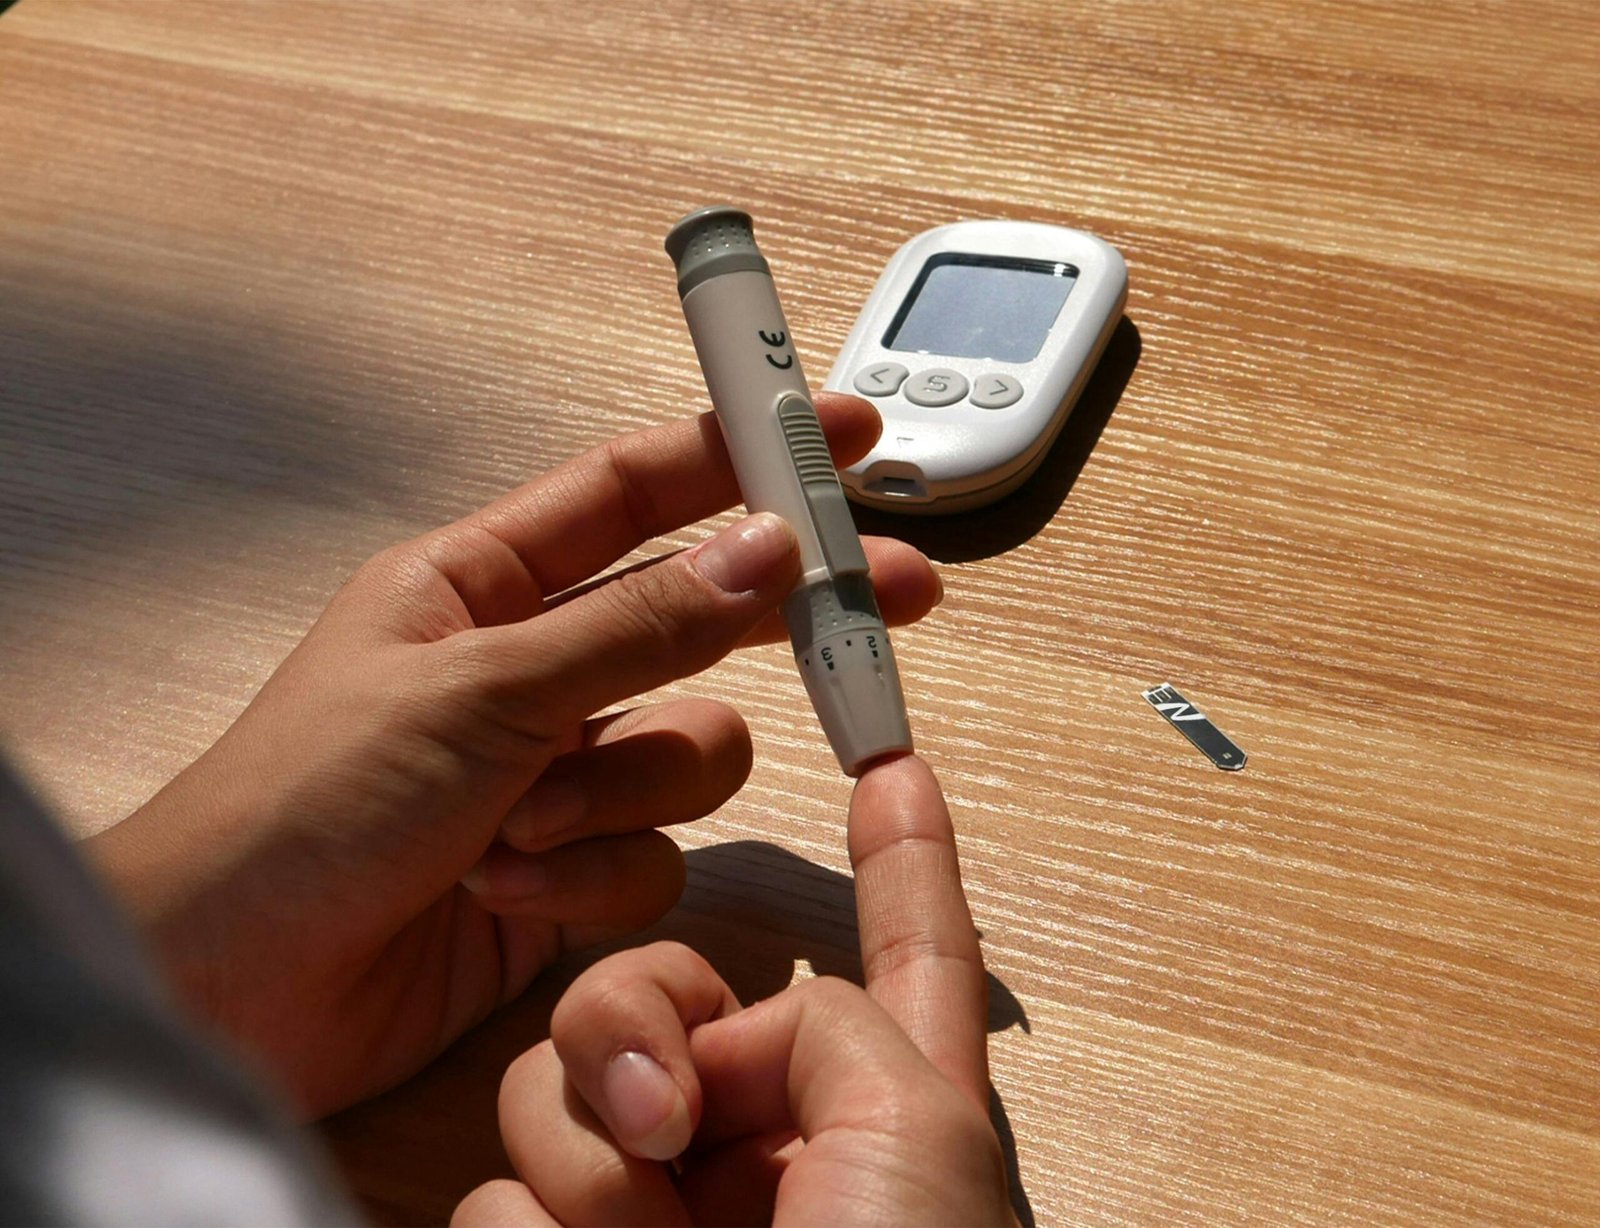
[(919, 948), (590, 511)]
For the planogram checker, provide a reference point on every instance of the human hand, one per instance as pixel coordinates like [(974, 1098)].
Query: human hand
[(821, 1105), (302, 881)]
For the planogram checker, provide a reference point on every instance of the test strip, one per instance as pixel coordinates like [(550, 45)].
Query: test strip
[(1193, 724)]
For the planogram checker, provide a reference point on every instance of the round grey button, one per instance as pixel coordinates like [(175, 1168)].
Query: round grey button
[(880, 379), (940, 386), (991, 391)]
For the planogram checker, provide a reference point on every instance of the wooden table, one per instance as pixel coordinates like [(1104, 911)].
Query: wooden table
[(283, 283)]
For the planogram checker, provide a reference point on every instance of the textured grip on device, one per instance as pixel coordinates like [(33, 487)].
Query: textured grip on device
[(817, 611), (819, 482), (711, 241), (807, 444)]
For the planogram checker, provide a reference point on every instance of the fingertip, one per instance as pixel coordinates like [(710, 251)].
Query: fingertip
[(895, 776), (703, 745), (842, 404), (667, 875), (919, 949), (500, 1204), (851, 424), (907, 583), (886, 757), (894, 798)]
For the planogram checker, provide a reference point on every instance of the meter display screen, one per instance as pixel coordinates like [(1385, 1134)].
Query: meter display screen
[(994, 307)]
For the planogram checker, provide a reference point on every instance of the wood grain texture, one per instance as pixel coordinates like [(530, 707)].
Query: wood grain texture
[(283, 283)]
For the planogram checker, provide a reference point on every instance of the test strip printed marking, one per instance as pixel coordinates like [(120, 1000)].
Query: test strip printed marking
[(1192, 723)]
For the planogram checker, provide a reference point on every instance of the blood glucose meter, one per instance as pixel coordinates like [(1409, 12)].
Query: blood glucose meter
[(974, 345)]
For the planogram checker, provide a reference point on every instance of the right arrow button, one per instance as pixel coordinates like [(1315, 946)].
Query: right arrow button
[(995, 391)]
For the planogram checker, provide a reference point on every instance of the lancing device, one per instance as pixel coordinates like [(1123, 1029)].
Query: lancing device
[(782, 462)]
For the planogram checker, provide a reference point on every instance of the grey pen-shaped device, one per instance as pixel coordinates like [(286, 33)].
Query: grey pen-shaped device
[(782, 462)]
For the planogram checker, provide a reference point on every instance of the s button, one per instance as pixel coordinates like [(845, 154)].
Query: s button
[(940, 386)]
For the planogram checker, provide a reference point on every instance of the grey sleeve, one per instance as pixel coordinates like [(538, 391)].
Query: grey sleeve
[(111, 1110)]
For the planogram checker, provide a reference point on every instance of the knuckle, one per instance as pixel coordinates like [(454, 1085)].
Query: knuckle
[(383, 564), (942, 1120), (474, 544), (392, 568), (898, 1114), (637, 613), (899, 950), (684, 964), (443, 689), (654, 597), (596, 1000), (924, 949), (607, 998), (638, 505), (664, 612), (575, 1015), (467, 688), (463, 663), (667, 952)]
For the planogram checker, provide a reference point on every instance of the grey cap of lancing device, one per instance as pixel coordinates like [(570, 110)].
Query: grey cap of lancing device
[(711, 241)]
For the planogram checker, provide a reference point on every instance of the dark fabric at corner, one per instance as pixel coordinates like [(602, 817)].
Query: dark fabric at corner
[(114, 1112)]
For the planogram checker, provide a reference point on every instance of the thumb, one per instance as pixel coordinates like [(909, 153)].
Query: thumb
[(641, 629)]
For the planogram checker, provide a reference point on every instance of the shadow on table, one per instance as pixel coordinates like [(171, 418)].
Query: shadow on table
[(136, 424), (752, 909), (804, 911), (1002, 526)]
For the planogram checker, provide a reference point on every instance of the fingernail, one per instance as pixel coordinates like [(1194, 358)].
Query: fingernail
[(743, 556), (648, 1111), (938, 579)]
